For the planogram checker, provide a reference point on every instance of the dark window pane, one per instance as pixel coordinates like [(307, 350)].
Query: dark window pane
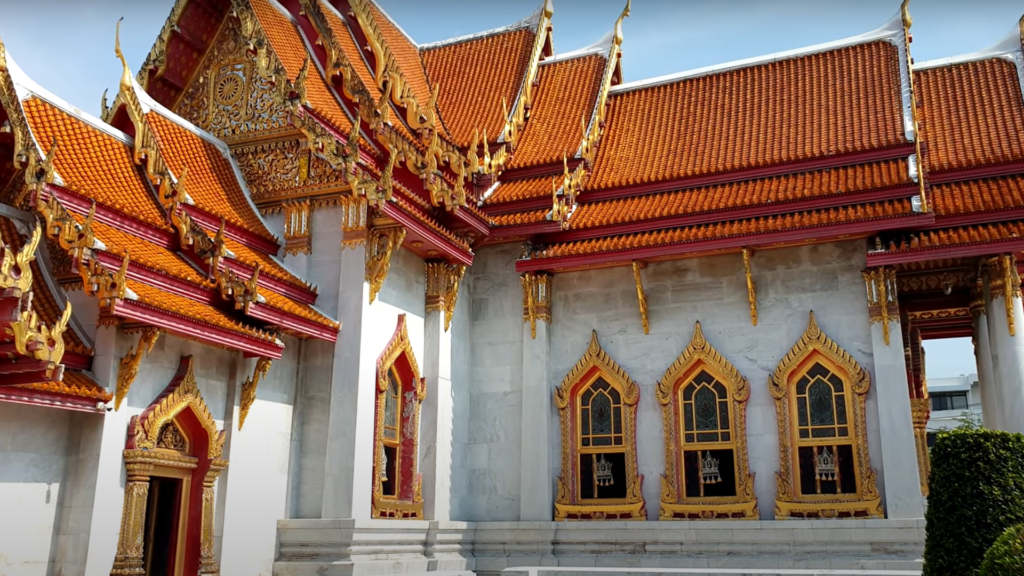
[(801, 385), (618, 440), (705, 404), (691, 473), (844, 431), (827, 483), (587, 476), (688, 417), (587, 396), (723, 415), (819, 399), (688, 392), (601, 414), (726, 486), (703, 378), (836, 382), (602, 441), (960, 402), (601, 384), (390, 484), (616, 399), (823, 432), (847, 474), (805, 472), (707, 437), (585, 421), (689, 437), (805, 433), (801, 411), (725, 436), (617, 420), (840, 408), (586, 441), (818, 371), (720, 390), (617, 487)]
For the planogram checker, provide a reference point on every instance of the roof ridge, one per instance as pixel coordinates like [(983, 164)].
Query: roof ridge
[(394, 23), (888, 31), (527, 22)]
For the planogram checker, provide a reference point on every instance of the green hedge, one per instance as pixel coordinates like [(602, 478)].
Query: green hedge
[(976, 491), (1006, 556)]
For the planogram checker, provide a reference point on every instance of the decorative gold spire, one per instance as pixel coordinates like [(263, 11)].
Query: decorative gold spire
[(128, 369), (249, 389), (617, 38), (381, 245), (126, 72)]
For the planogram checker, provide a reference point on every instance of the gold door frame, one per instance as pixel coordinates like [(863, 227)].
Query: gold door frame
[(701, 355), (147, 454), (596, 363), (788, 500)]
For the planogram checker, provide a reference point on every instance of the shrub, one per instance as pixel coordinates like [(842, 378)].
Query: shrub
[(1006, 556), (976, 491)]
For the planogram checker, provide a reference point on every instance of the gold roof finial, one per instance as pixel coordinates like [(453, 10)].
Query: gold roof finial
[(1020, 24), (126, 74), (618, 23), (905, 14), (3, 56), (549, 8)]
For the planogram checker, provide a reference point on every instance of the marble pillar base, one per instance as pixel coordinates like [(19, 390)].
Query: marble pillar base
[(329, 547)]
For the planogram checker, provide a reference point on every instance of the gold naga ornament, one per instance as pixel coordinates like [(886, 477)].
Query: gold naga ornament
[(536, 299), (442, 288), (597, 370), (818, 358), (128, 368), (248, 395), (381, 244), (700, 361), (883, 306)]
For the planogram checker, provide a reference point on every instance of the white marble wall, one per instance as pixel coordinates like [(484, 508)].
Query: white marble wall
[(490, 463), (790, 283), (34, 475)]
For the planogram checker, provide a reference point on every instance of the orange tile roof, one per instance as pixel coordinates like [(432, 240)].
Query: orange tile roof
[(288, 44), (211, 182), (355, 56), (430, 222), (790, 187), (846, 100), (986, 195), (74, 383), (975, 234), (474, 76), (565, 96), (301, 310), (268, 265), (719, 230), (147, 254), (520, 218), (525, 189), (406, 54), (971, 114), (191, 309), (94, 163)]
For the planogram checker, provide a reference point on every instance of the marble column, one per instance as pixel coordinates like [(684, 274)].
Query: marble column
[(983, 355), (1006, 320), (436, 416), (349, 460), (903, 498), (536, 500)]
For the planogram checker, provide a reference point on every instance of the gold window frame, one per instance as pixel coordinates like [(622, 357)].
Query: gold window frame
[(699, 356), (398, 507), (816, 347), (595, 364)]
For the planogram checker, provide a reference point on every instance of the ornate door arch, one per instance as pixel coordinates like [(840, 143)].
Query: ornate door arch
[(397, 484), (175, 438)]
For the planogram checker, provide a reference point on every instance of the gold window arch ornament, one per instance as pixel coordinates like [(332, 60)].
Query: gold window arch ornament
[(820, 395), (397, 484), (704, 410), (172, 458), (597, 404)]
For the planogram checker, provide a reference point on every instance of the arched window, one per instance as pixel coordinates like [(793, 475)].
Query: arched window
[(703, 400), (825, 470), (597, 406), (400, 393)]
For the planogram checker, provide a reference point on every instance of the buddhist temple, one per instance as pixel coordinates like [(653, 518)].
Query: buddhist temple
[(307, 297)]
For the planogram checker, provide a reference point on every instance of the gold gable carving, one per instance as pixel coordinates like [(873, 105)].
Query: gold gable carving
[(788, 503), (701, 354)]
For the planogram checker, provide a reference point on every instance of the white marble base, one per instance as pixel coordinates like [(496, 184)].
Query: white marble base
[(328, 547)]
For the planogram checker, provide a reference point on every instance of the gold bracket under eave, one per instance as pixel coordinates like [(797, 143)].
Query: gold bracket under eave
[(751, 288), (640, 294)]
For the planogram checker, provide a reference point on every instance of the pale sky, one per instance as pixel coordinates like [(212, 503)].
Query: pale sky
[(67, 46)]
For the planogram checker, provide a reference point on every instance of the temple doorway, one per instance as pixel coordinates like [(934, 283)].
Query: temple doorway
[(163, 550)]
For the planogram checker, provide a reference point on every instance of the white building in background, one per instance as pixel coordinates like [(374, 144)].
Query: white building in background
[(952, 399)]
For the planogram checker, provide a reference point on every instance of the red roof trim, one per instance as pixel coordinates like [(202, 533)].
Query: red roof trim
[(746, 240), (212, 223), (76, 361), (752, 174), (986, 217), (194, 330), (545, 227), (539, 170), (707, 217), (80, 204), (49, 400), (993, 171), (291, 322), (446, 248), (472, 220), (890, 257)]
